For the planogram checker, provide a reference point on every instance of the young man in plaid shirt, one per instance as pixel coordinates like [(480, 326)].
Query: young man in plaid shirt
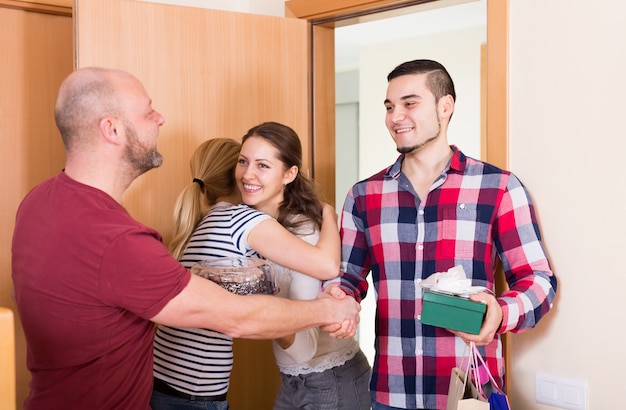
[(433, 209)]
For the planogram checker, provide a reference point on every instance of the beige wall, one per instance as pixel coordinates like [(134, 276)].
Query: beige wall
[(567, 65)]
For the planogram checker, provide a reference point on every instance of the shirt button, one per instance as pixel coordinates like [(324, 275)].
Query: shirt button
[(462, 206), (419, 317), (420, 247), (421, 212), (420, 352)]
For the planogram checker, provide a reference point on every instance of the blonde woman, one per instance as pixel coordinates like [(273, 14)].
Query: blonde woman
[(192, 366)]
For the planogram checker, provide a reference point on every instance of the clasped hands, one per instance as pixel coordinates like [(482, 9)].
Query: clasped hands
[(347, 313)]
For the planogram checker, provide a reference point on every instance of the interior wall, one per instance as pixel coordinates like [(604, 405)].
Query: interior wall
[(567, 145), (346, 133)]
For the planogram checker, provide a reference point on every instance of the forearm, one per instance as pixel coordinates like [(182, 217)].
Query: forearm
[(203, 304), (330, 243), (286, 341), (302, 346), (526, 302), (272, 317), (532, 284)]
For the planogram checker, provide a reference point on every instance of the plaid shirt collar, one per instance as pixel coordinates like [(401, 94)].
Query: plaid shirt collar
[(457, 164)]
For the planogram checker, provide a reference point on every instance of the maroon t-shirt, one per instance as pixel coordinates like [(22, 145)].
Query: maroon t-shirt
[(88, 277)]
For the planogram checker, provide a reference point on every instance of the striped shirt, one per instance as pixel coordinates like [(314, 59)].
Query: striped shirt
[(199, 361), (473, 215)]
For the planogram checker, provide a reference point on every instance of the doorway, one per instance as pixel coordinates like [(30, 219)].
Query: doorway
[(364, 54)]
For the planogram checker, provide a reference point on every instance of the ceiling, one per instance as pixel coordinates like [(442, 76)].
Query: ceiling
[(350, 39)]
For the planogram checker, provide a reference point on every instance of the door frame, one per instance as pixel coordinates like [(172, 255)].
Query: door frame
[(324, 15)]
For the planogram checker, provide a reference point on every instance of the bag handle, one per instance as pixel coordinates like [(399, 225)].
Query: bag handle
[(470, 367), (477, 358), (470, 362)]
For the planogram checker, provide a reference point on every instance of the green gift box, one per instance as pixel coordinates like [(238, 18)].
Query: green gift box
[(452, 312)]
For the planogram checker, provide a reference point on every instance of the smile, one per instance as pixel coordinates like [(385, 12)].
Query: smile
[(403, 130), (251, 188)]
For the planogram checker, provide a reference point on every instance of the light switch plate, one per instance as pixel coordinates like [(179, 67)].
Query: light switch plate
[(561, 392)]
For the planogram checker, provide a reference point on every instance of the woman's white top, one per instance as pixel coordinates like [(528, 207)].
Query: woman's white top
[(313, 350)]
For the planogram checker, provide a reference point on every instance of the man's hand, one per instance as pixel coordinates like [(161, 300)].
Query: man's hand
[(491, 324), (346, 328)]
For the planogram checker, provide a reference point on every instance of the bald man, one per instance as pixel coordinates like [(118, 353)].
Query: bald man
[(90, 281)]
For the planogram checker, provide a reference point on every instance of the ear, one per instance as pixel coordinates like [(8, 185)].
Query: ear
[(290, 175), (111, 129), (446, 107)]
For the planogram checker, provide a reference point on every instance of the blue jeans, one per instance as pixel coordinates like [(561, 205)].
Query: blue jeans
[(341, 388), (160, 401)]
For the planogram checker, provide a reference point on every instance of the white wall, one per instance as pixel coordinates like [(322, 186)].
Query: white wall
[(567, 65)]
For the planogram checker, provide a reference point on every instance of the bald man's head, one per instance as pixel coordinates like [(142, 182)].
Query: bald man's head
[(86, 96)]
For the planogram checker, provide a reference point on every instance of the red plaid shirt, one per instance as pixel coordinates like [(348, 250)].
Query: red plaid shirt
[(473, 214)]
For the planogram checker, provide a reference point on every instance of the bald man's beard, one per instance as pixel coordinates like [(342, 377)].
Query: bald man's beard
[(140, 158)]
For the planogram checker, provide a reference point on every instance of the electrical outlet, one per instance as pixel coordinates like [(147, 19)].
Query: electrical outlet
[(561, 392)]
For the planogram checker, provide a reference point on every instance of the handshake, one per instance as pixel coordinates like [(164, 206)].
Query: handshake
[(344, 313)]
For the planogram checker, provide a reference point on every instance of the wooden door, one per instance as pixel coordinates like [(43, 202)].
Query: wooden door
[(211, 74), (35, 55)]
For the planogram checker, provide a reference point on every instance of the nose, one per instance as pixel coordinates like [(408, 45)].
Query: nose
[(160, 118), (397, 114), (248, 173)]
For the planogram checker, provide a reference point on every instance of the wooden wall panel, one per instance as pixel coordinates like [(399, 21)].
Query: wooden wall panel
[(498, 83), (36, 56), (58, 7), (324, 111), (211, 74)]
